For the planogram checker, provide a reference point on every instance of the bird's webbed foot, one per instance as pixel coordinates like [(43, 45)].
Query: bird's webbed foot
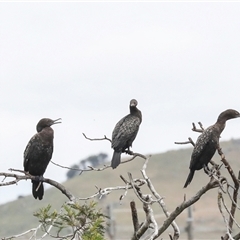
[(128, 151), (207, 170)]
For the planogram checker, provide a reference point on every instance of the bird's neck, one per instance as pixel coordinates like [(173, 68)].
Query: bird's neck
[(133, 110), (47, 135), (220, 126), (136, 112)]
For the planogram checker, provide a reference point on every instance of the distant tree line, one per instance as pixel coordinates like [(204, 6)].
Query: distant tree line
[(91, 161)]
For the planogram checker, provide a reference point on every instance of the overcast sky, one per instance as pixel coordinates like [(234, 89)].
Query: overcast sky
[(84, 62)]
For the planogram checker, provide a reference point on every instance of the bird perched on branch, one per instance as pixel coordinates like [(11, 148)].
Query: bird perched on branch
[(207, 143), (38, 153), (125, 132)]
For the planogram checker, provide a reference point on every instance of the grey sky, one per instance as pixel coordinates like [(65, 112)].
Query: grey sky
[(83, 62)]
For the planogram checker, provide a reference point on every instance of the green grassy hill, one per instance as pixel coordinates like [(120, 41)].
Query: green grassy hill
[(168, 172)]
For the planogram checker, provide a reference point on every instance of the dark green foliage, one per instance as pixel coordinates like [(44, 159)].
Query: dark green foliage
[(72, 220)]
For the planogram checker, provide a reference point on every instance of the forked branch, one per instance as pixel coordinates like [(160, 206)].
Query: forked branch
[(26, 176)]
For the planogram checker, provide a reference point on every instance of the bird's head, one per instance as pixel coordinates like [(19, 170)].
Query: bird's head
[(133, 103), (228, 114), (46, 122)]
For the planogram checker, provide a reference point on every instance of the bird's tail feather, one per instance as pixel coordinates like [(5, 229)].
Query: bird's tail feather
[(37, 189), (116, 159), (189, 178)]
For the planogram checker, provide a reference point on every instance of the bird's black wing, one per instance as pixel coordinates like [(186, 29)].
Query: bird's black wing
[(125, 131), (37, 155), (31, 148), (204, 149)]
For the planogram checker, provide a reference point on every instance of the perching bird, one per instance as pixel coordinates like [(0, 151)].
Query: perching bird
[(38, 153), (207, 143), (125, 132)]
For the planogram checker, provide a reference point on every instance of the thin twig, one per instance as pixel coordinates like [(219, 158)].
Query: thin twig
[(235, 192), (187, 142), (34, 230), (70, 168), (197, 129), (160, 199), (90, 168), (97, 139), (228, 234), (105, 191)]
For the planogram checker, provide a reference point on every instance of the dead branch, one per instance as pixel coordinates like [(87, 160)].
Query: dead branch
[(227, 166), (27, 176), (235, 190), (200, 130), (187, 142), (228, 230), (105, 191), (97, 139), (195, 130), (150, 217), (33, 230), (134, 216), (75, 169), (90, 168), (229, 213), (230, 196), (159, 200), (212, 184), (147, 201), (125, 193), (127, 151)]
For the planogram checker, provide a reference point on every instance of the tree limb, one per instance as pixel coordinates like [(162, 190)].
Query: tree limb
[(212, 184), (235, 190), (27, 176), (160, 200), (97, 139)]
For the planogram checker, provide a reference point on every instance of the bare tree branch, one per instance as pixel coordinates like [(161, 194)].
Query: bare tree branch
[(33, 230), (125, 193), (127, 151), (150, 220), (70, 168), (197, 129), (189, 141), (27, 176), (228, 230), (150, 217), (160, 200), (136, 189), (105, 191), (229, 213), (134, 216), (212, 184), (90, 168), (149, 223), (235, 191), (97, 139)]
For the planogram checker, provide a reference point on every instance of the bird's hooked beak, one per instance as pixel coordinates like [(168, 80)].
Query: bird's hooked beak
[(237, 114), (55, 121), (133, 103)]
